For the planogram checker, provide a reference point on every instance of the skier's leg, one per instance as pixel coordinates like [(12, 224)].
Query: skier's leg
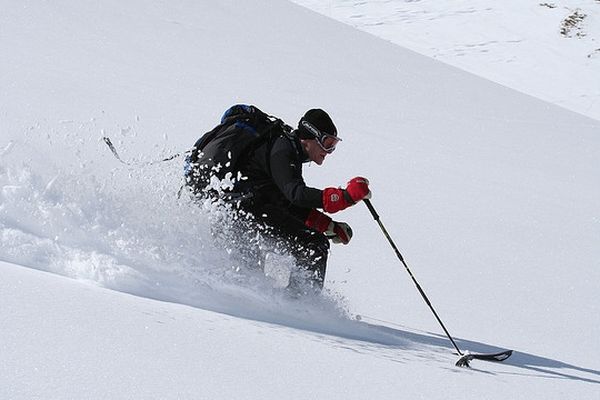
[(309, 247)]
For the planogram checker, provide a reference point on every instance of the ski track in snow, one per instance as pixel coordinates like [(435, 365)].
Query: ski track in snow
[(514, 43)]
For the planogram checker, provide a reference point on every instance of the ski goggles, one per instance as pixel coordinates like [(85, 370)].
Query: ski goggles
[(326, 141)]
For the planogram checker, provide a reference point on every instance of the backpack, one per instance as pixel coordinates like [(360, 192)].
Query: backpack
[(220, 152)]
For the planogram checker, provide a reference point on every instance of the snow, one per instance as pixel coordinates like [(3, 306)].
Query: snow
[(550, 50), (112, 287)]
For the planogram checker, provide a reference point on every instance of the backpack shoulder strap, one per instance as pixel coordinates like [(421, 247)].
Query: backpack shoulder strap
[(284, 132)]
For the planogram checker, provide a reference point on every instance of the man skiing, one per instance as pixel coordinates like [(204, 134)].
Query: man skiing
[(283, 207)]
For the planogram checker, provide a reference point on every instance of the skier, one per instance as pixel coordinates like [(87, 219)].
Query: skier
[(283, 207)]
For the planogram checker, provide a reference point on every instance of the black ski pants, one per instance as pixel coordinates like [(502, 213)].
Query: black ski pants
[(288, 233)]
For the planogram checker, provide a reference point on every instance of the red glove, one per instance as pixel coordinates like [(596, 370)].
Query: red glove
[(336, 199), (317, 221), (339, 232), (358, 189)]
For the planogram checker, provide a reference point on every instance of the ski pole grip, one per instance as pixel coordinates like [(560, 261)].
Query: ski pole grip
[(371, 209)]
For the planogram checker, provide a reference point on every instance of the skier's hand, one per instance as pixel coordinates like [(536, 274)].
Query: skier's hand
[(336, 199), (318, 221), (339, 232), (358, 189)]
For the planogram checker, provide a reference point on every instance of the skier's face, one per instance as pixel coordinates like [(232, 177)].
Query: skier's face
[(315, 152)]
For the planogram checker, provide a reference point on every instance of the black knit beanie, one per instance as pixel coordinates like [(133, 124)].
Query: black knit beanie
[(318, 119)]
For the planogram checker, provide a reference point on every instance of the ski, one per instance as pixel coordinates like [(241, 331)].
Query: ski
[(463, 361)]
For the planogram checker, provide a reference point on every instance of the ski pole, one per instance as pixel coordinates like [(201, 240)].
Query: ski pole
[(112, 148), (389, 238)]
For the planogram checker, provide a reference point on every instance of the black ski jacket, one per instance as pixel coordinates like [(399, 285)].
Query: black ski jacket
[(274, 172)]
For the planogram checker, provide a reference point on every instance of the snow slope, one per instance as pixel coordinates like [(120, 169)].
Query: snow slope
[(71, 340), (550, 50), (490, 194), (87, 342)]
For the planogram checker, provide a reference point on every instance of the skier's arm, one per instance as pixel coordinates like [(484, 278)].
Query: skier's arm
[(286, 171)]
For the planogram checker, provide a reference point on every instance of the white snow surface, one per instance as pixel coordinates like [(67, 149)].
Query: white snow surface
[(547, 49), (111, 287)]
